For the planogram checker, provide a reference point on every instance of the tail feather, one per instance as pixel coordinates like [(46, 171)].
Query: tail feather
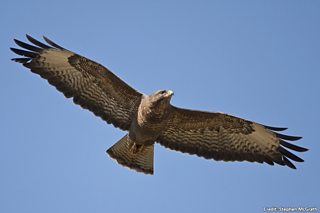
[(134, 156)]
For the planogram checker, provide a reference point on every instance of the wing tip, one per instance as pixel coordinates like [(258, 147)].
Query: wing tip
[(21, 60), (293, 147), (287, 137), (52, 43), (30, 51), (288, 163), (278, 129), (25, 53), (37, 43), (286, 153)]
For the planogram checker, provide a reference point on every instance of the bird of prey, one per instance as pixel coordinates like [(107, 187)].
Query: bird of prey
[(150, 119)]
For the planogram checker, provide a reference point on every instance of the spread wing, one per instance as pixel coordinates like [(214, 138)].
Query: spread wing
[(90, 84), (224, 137)]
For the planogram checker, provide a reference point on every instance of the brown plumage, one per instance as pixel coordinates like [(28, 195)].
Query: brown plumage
[(151, 118)]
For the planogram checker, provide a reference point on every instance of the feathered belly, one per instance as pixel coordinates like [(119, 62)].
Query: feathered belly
[(145, 133)]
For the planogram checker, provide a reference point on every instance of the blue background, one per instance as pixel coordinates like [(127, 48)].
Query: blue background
[(254, 59)]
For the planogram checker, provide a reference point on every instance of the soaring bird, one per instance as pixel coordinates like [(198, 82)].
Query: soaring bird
[(150, 119)]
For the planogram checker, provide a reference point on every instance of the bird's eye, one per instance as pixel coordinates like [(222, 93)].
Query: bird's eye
[(163, 92)]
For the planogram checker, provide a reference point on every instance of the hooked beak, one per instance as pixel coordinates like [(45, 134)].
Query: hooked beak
[(169, 93)]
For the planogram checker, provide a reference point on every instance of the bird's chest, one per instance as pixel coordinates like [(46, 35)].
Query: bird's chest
[(146, 128)]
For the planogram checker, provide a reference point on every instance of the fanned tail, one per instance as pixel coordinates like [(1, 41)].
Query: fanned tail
[(134, 156)]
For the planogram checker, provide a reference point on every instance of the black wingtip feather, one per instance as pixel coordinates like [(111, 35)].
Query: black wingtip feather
[(293, 147), (288, 137), (289, 154), (268, 160), (288, 162), (21, 60), (27, 46), (37, 43), (23, 52), (278, 129), (52, 43), (279, 161)]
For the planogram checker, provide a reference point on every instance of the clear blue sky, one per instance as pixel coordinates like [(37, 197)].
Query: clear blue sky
[(259, 60)]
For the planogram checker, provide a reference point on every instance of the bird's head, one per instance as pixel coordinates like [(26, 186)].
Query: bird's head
[(157, 103), (160, 99), (162, 95)]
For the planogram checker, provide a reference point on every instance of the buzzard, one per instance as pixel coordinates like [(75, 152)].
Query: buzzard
[(151, 118)]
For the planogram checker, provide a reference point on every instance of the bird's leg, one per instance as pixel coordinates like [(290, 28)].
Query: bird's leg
[(135, 148)]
